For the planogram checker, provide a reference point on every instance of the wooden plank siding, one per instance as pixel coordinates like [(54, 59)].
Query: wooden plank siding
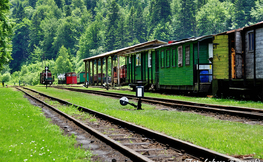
[(142, 72), (259, 53), (249, 58), (238, 55), (203, 52), (220, 57), (174, 75)]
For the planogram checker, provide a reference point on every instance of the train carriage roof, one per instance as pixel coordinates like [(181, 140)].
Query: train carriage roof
[(125, 50), (193, 39)]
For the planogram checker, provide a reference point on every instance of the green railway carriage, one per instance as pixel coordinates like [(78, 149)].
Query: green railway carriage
[(172, 66), (141, 67), (81, 77), (178, 65)]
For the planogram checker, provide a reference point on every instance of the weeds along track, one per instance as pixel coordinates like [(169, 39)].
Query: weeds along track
[(138, 143), (249, 113)]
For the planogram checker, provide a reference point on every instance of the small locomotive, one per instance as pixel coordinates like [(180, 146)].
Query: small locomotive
[(46, 77)]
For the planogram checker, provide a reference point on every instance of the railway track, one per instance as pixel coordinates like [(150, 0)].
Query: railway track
[(138, 143), (250, 113)]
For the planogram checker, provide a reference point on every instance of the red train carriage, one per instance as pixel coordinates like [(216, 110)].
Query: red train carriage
[(71, 78), (123, 74)]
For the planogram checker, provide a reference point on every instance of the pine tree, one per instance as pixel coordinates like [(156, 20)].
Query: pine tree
[(5, 34), (20, 42), (187, 20), (242, 12), (19, 12), (160, 11), (60, 3), (32, 3), (112, 24)]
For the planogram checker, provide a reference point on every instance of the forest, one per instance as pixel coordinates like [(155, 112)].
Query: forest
[(60, 33)]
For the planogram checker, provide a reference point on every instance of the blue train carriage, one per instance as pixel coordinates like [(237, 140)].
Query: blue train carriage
[(185, 65), (238, 58)]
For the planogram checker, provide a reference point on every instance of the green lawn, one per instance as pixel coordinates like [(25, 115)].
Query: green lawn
[(26, 135), (230, 102), (223, 136)]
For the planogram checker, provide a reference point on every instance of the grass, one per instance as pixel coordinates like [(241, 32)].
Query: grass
[(223, 136), (228, 102), (26, 135)]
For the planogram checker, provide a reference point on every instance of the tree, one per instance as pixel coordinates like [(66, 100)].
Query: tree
[(66, 35), (257, 12), (60, 3), (49, 28), (159, 11), (90, 5), (20, 43), (186, 19), (214, 17), (242, 10), (32, 3), (112, 24), (89, 40), (37, 55), (19, 12), (5, 34), (67, 10), (6, 77), (63, 63), (36, 33), (140, 24)]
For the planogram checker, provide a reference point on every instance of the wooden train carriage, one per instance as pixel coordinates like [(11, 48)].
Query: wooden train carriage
[(178, 65), (81, 77), (141, 65), (237, 62), (173, 66), (71, 78)]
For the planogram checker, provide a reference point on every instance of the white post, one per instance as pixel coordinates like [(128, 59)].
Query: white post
[(118, 70)]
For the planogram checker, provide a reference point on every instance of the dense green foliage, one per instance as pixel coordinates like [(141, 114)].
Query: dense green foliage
[(5, 33), (87, 27)]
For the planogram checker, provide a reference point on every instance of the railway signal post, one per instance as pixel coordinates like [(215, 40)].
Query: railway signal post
[(46, 68), (139, 94)]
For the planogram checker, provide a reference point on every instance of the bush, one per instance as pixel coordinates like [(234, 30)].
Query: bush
[(6, 77)]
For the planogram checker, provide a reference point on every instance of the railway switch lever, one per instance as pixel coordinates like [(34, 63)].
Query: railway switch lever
[(139, 94)]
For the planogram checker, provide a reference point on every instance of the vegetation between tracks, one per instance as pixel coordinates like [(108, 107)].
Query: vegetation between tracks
[(26, 135), (223, 136), (206, 100)]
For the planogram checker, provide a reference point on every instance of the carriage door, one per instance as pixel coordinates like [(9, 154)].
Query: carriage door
[(238, 59), (138, 64), (220, 59)]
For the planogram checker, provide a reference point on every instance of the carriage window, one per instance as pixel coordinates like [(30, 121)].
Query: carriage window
[(138, 59), (187, 55), (180, 56), (251, 41), (162, 59), (149, 59), (129, 59), (173, 57), (168, 58)]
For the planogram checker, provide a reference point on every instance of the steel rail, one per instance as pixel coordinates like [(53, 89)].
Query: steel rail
[(189, 148), (125, 150), (240, 111)]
